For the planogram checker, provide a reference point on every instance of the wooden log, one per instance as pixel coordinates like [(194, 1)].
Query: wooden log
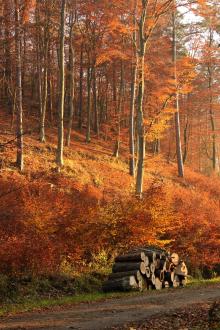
[(127, 266), (136, 256), (181, 269), (183, 280), (135, 273), (159, 274), (151, 254), (176, 281), (163, 264), (121, 284), (153, 279), (152, 267), (148, 272), (158, 284), (147, 261), (142, 284), (169, 277), (157, 264), (166, 284), (175, 259)]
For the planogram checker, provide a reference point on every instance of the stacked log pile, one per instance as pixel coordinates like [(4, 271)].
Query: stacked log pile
[(146, 268)]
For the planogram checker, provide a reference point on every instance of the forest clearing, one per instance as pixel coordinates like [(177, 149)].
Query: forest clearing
[(109, 163)]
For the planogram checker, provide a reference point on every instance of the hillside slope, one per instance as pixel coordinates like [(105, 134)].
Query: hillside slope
[(51, 219)]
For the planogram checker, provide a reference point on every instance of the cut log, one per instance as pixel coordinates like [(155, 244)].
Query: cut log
[(175, 259), (157, 264), (176, 281), (181, 269), (142, 284), (136, 256), (183, 280), (169, 277), (127, 266), (121, 284), (147, 261), (151, 254), (158, 284), (152, 267), (166, 284), (135, 273), (159, 274), (153, 279), (148, 272)]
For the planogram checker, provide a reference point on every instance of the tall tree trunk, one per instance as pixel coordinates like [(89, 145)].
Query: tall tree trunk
[(39, 60), (19, 161), (8, 65), (62, 87), (132, 107), (45, 86), (71, 83), (140, 116), (88, 125), (81, 90), (177, 116), (96, 112), (211, 110), (118, 139)]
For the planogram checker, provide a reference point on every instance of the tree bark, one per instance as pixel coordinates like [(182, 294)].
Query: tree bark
[(19, 160), (81, 90), (71, 83), (132, 109), (177, 116), (140, 116), (62, 88), (88, 125)]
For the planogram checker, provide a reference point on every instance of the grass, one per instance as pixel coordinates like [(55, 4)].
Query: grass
[(29, 304), (33, 304), (193, 282)]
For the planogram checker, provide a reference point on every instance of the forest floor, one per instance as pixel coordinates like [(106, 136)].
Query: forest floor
[(182, 309)]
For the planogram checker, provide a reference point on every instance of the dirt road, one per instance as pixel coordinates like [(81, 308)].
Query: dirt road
[(113, 313)]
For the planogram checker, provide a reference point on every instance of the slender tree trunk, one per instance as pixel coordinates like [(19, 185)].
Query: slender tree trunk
[(177, 116), (132, 108), (62, 87), (211, 110), (88, 125), (45, 90), (71, 84), (39, 62), (19, 161), (81, 90), (96, 112), (140, 116), (118, 139)]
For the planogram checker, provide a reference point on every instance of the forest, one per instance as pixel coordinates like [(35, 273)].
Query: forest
[(109, 134)]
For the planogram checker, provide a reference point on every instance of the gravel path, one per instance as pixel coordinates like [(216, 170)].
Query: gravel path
[(114, 313)]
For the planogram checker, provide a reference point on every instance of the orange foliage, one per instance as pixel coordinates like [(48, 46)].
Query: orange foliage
[(54, 224)]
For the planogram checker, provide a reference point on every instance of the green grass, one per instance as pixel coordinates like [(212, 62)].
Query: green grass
[(32, 304), (29, 304), (202, 282)]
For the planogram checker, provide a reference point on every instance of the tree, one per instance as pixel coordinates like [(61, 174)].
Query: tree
[(62, 87), (19, 103), (177, 117)]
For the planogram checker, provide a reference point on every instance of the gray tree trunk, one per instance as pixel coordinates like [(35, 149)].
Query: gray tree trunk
[(88, 126), (132, 108), (71, 84), (177, 116), (140, 116), (62, 87), (20, 158), (81, 90)]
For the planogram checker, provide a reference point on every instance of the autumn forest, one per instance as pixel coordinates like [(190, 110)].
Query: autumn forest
[(109, 133)]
